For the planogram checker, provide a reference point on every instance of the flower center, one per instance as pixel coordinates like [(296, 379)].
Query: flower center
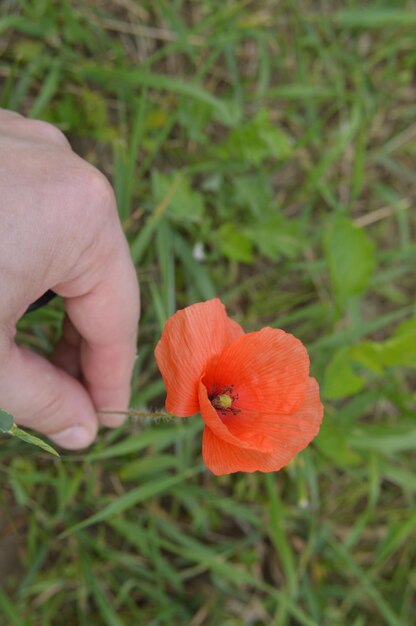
[(222, 399)]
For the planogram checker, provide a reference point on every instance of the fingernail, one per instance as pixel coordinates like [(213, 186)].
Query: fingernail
[(73, 438)]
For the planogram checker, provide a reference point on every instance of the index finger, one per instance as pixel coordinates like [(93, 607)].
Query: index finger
[(107, 316)]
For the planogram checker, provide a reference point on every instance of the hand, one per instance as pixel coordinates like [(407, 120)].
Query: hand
[(59, 229)]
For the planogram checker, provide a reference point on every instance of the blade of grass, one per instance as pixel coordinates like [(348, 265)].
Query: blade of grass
[(10, 611), (132, 498), (278, 536), (367, 586)]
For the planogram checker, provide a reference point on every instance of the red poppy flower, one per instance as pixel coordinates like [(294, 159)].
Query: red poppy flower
[(254, 392)]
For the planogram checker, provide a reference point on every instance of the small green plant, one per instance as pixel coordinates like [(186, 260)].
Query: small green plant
[(9, 427)]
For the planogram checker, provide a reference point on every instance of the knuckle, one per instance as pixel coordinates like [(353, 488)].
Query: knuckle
[(100, 186), (49, 132), (89, 186), (99, 194), (85, 222), (94, 207)]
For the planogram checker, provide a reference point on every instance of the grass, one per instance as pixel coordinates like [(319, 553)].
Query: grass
[(277, 141)]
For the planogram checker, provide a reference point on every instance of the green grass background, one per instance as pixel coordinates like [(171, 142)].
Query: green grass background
[(262, 151)]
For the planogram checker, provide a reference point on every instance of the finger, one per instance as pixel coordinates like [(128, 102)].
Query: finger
[(45, 398), (28, 129), (8, 115), (66, 354), (107, 319)]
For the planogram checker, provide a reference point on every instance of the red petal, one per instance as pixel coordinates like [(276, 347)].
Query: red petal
[(224, 458), (190, 338), (268, 370)]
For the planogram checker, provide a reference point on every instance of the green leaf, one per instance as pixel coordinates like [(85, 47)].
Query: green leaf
[(256, 141), (399, 351), (276, 237), (369, 355), (186, 205), (6, 421), (401, 348), (15, 431), (351, 258), (254, 191), (340, 380), (406, 328), (234, 244), (194, 116), (332, 441), (8, 427)]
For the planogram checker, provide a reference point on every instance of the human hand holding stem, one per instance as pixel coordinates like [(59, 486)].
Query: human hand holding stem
[(60, 230)]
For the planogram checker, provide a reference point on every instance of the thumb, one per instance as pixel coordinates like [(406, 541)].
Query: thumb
[(45, 398)]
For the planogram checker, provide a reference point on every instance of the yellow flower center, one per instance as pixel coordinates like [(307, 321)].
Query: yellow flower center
[(223, 401)]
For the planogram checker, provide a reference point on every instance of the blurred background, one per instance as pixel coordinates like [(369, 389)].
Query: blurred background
[(262, 151)]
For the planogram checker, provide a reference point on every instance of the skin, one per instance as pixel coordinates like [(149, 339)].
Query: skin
[(59, 229)]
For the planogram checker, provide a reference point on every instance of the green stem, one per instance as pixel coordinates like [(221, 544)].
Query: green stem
[(137, 413)]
